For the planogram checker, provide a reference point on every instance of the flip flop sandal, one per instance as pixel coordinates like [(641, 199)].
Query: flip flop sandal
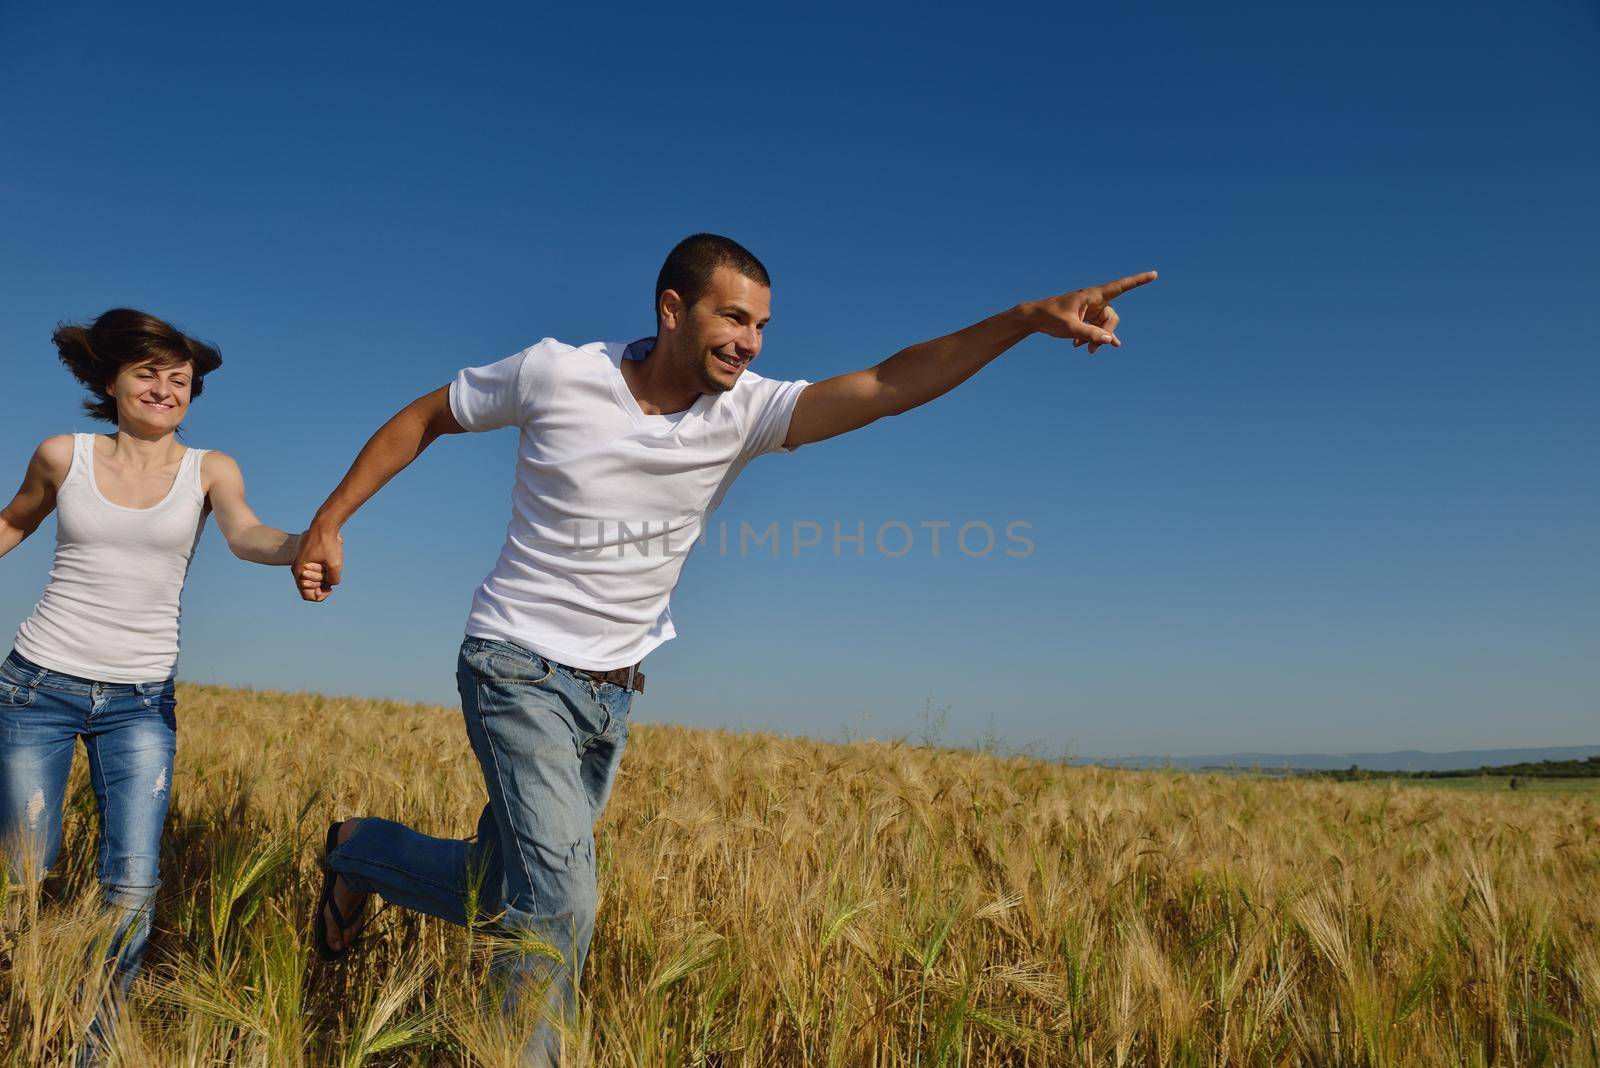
[(326, 904)]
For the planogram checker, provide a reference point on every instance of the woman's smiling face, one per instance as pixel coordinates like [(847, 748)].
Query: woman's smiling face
[(152, 396)]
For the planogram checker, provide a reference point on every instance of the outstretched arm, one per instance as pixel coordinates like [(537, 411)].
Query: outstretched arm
[(915, 376), (37, 496), (320, 560), (248, 537)]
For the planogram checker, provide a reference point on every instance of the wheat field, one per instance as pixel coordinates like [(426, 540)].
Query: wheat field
[(777, 901)]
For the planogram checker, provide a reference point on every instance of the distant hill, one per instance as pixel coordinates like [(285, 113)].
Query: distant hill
[(1401, 760)]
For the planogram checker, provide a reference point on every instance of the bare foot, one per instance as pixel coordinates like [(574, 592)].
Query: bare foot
[(345, 899)]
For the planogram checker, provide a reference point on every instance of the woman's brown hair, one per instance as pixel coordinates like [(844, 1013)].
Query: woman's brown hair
[(96, 353)]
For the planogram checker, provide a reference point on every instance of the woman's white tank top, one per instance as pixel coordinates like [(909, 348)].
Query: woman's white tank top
[(110, 612)]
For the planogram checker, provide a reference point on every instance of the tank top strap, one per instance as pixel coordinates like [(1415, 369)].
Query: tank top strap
[(82, 457), (197, 483)]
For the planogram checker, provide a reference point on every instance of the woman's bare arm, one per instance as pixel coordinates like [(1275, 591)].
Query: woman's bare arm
[(36, 499), (248, 537)]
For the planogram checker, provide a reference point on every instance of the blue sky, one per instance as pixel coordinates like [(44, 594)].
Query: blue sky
[(1336, 492)]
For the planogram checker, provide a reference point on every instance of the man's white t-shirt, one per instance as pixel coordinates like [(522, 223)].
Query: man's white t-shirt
[(608, 500)]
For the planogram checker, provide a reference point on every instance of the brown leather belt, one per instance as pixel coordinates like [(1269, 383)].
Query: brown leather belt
[(619, 676)]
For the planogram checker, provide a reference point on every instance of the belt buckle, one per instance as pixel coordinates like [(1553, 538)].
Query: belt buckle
[(618, 676), (628, 678)]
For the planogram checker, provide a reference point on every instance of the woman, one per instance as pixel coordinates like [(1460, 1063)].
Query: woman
[(95, 660)]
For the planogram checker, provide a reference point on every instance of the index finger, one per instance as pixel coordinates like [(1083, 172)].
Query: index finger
[(1122, 285)]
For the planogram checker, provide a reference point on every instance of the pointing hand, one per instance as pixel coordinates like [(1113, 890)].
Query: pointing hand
[(1085, 315)]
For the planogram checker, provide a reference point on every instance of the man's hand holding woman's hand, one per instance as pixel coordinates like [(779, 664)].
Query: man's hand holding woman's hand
[(318, 565)]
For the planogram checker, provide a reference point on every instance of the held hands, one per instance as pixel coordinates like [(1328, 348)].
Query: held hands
[(1085, 315), (319, 564)]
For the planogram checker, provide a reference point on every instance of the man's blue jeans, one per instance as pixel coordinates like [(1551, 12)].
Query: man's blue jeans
[(131, 734), (549, 742)]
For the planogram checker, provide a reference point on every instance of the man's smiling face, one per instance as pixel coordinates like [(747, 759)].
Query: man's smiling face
[(722, 330)]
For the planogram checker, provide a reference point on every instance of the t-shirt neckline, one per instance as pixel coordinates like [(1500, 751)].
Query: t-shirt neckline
[(630, 404)]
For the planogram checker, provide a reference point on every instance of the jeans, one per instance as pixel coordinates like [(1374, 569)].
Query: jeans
[(549, 742), (130, 732)]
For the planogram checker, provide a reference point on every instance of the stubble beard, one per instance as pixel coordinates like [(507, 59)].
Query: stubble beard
[(709, 382)]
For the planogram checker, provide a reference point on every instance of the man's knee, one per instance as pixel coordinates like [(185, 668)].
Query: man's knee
[(550, 942), (575, 910), (563, 884), (558, 931)]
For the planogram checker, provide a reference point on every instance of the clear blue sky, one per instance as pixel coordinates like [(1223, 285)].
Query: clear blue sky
[(1336, 492)]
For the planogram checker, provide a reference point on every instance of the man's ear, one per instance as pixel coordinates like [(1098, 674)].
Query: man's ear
[(670, 308)]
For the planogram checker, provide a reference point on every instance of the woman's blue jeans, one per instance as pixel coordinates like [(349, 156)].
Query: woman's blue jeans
[(549, 742), (130, 732)]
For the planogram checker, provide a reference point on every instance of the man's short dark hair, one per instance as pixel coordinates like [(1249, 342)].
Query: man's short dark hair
[(693, 261)]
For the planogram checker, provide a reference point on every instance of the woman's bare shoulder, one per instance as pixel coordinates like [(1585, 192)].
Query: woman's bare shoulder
[(53, 457)]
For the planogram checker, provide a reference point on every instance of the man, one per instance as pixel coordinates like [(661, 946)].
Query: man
[(624, 452)]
